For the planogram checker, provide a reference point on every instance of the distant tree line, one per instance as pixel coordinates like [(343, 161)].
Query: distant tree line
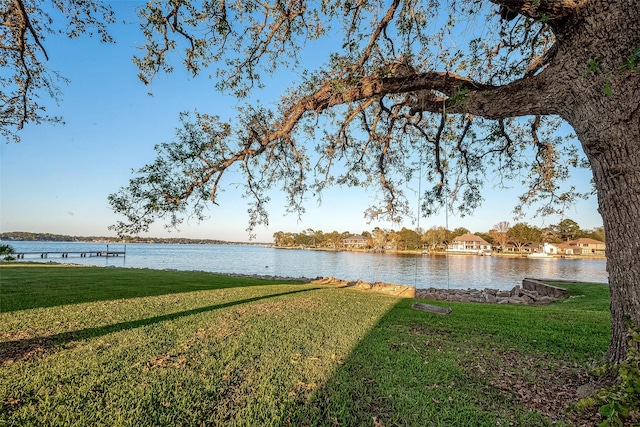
[(43, 237), (48, 237), (435, 237)]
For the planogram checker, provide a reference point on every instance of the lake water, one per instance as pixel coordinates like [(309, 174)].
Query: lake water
[(454, 271)]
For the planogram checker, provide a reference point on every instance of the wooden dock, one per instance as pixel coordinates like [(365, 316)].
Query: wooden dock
[(66, 254)]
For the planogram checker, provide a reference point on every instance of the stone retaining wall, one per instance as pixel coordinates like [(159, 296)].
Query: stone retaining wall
[(517, 295), (532, 292), (543, 289)]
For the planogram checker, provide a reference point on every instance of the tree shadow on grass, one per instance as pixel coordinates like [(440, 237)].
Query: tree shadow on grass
[(423, 369), (24, 288), (14, 351), (407, 371)]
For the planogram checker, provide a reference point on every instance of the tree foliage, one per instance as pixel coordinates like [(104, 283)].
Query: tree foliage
[(567, 229), (436, 237), (522, 233), (379, 91), (460, 231), (379, 82), (499, 234), (25, 77), (6, 252)]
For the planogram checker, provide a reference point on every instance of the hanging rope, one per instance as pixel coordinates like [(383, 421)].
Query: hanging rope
[(415, 278), (446, 219)]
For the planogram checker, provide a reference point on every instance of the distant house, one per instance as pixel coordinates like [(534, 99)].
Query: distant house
[(582, 246), (541, 248), (357, 241), (530, 247), (567, 249), (468, 243)]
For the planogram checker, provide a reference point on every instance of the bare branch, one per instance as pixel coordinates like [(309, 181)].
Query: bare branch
[(380, 28), (27, 23)]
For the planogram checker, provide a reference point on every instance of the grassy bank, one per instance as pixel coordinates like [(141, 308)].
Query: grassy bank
[(105, 346)]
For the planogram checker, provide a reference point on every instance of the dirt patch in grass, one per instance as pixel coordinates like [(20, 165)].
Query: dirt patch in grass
[(12, 354), (167, 361)]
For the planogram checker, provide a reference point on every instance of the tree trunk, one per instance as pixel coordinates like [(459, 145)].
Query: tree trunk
[(601, 101), (616, 170), (611, 140)]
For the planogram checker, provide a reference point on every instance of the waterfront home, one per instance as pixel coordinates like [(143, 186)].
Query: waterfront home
[(582, 246), (541, 248), (356, 241), (529, 247), (468, 243)]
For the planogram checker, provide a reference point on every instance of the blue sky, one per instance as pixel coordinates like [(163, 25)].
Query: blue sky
[(58, 178)]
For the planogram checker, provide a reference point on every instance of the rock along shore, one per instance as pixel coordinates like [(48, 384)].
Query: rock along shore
[(532, 292), (517, 295)]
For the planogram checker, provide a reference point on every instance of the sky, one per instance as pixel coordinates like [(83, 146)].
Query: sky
[(57, 179)]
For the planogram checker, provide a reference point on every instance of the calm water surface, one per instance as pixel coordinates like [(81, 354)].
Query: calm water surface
[(456, 271)]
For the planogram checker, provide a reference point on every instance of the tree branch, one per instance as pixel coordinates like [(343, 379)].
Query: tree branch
[(430, 92), (523, 97), (548, 10), (381, 27), (27, 23)]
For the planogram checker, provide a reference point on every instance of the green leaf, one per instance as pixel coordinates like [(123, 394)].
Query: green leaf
[(593, 64), (608, 410)]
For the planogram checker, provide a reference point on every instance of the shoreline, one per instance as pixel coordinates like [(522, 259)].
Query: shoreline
[(417, 252)]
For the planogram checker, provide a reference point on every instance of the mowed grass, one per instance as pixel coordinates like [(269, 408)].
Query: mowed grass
[(105, 346)]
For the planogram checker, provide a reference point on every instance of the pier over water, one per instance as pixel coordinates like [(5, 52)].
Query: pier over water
[(65, 254)]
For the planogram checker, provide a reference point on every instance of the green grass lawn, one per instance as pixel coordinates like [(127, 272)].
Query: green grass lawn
[(107, 346)]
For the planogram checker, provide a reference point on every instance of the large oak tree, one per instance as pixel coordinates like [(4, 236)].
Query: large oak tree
[(451, 90)]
